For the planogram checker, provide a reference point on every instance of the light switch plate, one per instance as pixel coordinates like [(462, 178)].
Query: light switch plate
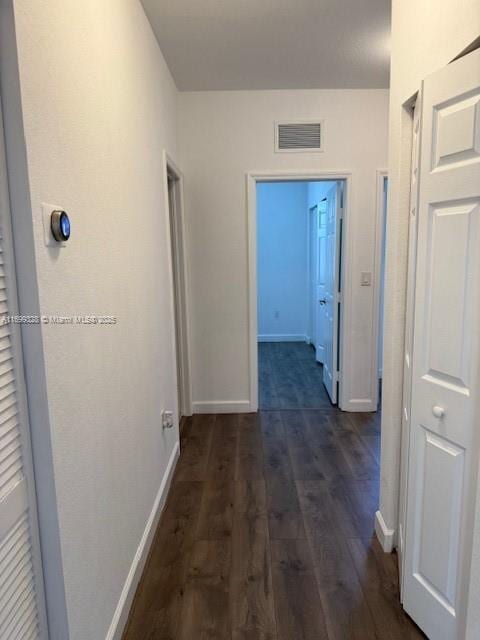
[(47, 231), (366, 278)]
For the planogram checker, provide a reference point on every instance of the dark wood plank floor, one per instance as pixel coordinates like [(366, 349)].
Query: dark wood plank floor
[(267, 533), (290, 377)]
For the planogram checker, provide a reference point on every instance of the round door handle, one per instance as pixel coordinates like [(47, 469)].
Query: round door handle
[(323, 301), (438, 412)]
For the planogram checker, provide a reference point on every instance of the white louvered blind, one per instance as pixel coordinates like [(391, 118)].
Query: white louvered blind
[(21, 618)]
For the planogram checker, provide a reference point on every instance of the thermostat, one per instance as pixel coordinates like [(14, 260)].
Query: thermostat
[(60, 225)]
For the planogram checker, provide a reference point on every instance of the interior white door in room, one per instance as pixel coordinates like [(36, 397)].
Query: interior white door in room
[(321, 280), (312, 274), (444, 434), (330, 301)]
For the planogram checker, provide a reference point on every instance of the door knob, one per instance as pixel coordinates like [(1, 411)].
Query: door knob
[(438, 412), (323, 301)]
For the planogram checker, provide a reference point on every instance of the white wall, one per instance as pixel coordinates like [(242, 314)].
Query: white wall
[(223, 135), (99, 106), (425, 37), (282, 260)]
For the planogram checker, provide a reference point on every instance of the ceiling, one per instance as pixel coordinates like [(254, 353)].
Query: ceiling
[(273, 44)]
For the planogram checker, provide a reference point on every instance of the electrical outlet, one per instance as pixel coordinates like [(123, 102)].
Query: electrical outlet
[(167, 419)]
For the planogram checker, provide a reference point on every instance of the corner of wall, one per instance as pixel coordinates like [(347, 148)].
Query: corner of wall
[(385, 536)]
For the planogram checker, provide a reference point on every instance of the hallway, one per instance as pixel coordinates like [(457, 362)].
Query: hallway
[(193, 193), (267, 534)]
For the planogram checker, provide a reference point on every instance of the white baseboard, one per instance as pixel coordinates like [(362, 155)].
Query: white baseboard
[(222, 406), (120, 616), (385, 536), (282, 337), (359, 406)]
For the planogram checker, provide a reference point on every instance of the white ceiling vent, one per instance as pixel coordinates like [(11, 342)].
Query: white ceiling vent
[(299, 136)]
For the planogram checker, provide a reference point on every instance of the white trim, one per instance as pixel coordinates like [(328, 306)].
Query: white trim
[(283, 337), (377, 373), (358, 405), (223, 406), (252, 290), (169, 166), (120, 617), (400, 552), (252, 177), (413, 109), (385, 536)]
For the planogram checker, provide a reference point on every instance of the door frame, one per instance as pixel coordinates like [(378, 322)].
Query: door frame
[(414, 107), (345, 329), (179, 284), (380, 209)]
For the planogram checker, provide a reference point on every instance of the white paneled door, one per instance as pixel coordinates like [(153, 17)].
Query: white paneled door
[(329, 247), (321, 279), (444, 425), (312, 273), (22, 611)]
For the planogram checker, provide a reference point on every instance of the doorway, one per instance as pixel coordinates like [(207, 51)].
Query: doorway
[(299, 230), (174, 191)]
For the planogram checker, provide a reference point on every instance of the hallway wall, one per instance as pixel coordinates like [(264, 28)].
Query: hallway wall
[(223, 135), (282, 260), (426, 36), (99, 106)]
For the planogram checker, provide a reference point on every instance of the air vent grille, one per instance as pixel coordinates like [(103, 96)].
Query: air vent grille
[(299, 136)]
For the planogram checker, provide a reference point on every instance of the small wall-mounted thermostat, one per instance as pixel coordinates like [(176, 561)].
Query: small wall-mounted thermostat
[(60, 225), (56, 225)]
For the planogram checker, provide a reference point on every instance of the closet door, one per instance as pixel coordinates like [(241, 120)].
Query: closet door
[(444, 424), (22, 609)]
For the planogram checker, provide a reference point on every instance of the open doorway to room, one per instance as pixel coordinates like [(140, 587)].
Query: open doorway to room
[(174, 190), (299, 292)]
